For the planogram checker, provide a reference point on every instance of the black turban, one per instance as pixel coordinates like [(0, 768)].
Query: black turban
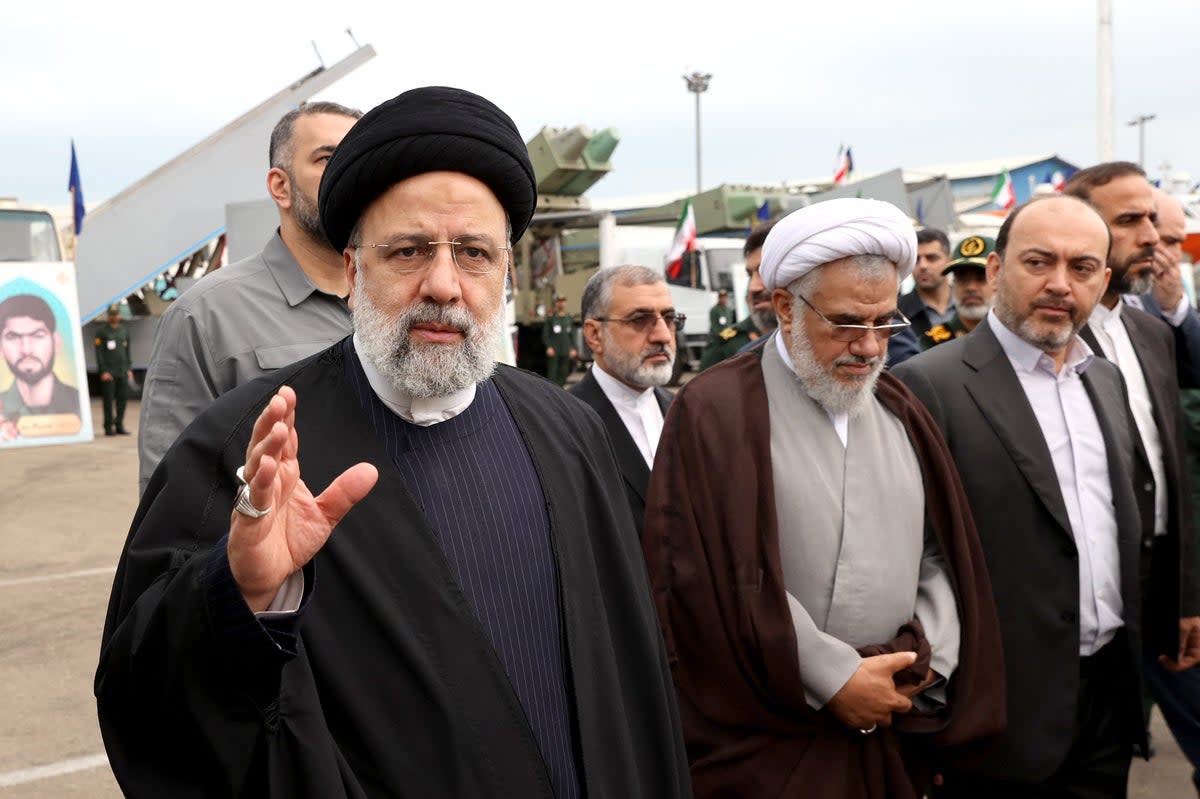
[(430, 129)]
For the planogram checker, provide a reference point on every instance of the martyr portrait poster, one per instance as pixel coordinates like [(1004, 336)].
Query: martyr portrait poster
[(43, 375)]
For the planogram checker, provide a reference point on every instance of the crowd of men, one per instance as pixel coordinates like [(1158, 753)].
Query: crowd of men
[(370, 561)]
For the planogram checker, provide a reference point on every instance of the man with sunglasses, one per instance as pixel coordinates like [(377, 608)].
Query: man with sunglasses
[(823, 597), (395, 567), (630, 324)]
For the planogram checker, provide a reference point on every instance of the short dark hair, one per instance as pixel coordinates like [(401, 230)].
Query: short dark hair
[(27, 305), (1006, 226), (279, 153), (928, 235), (1084, 181), (757, 237)]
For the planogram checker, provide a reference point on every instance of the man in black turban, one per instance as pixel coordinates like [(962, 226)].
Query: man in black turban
[(440, 593)]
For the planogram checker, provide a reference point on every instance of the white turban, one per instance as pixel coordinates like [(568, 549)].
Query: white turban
[(833, 229)]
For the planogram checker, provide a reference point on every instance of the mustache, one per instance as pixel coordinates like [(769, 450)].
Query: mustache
[(1055, 305), (431, 313), (856, 360), (1142, 254), (655, 349), (760, 296)]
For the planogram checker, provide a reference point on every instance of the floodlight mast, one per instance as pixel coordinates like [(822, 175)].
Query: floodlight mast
[(697, 83)]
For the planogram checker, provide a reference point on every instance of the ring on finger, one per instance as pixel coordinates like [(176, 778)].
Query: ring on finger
[(868, 730), (243, 505)]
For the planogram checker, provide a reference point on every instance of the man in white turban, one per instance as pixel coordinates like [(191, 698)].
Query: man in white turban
[(824, 602)]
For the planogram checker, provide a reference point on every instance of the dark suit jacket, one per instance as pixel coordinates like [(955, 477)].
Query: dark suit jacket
[(971, 390), (629, 457), (912, 306), (1187, 342), (1169, 588)]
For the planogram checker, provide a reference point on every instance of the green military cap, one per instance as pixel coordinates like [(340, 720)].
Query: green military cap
[(971, 251), (560, 298), (114, 310)]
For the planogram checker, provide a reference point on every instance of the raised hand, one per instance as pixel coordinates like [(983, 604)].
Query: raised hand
[(1168, 284), (869, 697), (264, 552)]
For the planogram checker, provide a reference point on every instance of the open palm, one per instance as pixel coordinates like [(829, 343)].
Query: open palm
[(264, 552)]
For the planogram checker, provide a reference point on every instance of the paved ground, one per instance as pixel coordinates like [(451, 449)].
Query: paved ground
[(64, 513)]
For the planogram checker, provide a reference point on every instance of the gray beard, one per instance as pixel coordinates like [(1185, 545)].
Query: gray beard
[(1055, 339), (631, 368), (819, 381), (973, 313), (424, 370)]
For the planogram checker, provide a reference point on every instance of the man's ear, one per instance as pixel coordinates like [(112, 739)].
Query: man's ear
[(783, 303), (279, 186), (591, 334)]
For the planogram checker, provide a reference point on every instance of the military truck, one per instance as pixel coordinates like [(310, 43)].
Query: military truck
[(569, 240)]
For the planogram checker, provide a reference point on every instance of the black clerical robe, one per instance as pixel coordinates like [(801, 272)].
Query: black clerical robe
[(389, 687)]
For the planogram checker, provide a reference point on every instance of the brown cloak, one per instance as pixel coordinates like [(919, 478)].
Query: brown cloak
[(712, 548)]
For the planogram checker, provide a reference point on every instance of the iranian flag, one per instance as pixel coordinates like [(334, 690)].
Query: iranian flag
[(685, 240), (1003, 194), (844, 166)]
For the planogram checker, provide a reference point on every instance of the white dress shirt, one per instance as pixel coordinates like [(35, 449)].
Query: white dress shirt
[(1072, 433), (638, 409), (1113, 336), (421, 412)]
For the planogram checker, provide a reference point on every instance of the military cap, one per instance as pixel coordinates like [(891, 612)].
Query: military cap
[(971, 251)]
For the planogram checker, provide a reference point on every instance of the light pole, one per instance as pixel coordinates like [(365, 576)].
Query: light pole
[(697, 83), (1141, 121), (1105, 124)]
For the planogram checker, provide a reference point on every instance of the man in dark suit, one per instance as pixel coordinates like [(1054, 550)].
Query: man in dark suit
[(1045, 446), (629, 322), (1143, 348)]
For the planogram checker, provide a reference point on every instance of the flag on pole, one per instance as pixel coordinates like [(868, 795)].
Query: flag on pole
[(1058, 181), (76, 189), (685, 240), (1003, 194), (845, 166), (764, 211)]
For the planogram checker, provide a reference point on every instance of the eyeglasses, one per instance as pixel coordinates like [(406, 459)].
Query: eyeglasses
[(646, 321), (476, 255), (848, 333)]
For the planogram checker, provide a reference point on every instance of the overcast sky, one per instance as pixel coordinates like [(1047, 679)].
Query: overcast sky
[(903, 83)]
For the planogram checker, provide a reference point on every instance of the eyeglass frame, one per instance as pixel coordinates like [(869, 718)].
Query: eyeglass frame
[(454, 245), (674, 325), (886, 330)]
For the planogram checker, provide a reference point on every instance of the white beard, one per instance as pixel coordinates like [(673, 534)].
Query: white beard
[(631, 368), (820, 383), (423, 370)]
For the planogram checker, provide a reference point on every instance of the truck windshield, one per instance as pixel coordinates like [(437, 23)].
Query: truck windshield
[(721, 264), (27, 236)]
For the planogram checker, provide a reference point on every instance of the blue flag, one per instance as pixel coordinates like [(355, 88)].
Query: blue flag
[(76, 189), (764, 211)]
